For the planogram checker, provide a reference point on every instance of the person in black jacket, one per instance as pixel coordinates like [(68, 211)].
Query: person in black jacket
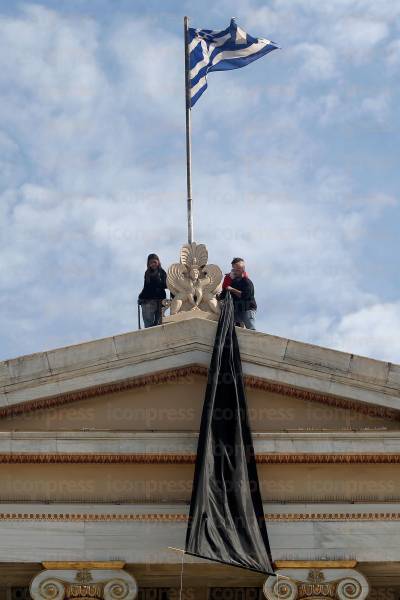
[(153, 292), (242, 291)]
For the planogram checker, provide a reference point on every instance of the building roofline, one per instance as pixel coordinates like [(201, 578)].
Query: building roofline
[(173, 346)]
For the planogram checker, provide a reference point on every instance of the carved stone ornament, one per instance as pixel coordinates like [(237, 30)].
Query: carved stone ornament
[(84, 584), (316, 584), (194, 283)]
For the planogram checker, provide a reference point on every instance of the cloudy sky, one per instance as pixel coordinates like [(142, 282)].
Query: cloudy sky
[(295, 166)]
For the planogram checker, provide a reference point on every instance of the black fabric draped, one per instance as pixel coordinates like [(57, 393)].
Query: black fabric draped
[(226, 520)]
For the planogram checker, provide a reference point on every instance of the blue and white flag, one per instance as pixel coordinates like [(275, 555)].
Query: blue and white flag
[(221, 51)]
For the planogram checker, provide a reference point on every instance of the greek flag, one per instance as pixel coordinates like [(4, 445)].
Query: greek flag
[(221, 51)]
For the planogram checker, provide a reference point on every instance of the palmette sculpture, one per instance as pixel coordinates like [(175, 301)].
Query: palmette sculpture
[(193, 283)]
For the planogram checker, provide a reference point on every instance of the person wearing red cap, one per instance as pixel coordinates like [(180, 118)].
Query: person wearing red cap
[(238, 283), (229, 277), (153, 292)]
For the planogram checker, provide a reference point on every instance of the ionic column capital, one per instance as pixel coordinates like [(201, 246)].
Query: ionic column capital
[(332, 584), (83, 584)]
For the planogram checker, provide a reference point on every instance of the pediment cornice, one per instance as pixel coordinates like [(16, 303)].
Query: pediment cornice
[(182, 373), (174, 350)]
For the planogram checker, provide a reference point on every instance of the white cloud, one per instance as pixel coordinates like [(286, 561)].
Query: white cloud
[(357, 35), (42, 61), (377, 106), (371, 331), (393, 54), (151, 68), (317, 61)]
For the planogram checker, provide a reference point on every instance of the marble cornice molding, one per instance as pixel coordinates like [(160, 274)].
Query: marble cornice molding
[(167, 376), (177, 374), (182, 518), (329, 400), (315, 564), (302, 458), (68, 564), (190, 459)]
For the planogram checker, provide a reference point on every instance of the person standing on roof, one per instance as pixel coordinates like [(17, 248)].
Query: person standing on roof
[(242, 290), (153, 292)]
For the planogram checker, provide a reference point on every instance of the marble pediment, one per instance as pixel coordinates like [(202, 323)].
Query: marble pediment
[(155, 379), (173, 401)]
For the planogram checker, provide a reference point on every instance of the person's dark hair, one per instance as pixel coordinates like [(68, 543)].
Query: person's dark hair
[(149, 272), (236, 260), (153, 257)]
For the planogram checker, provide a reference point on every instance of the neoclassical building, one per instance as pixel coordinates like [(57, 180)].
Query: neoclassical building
[(97, 451)]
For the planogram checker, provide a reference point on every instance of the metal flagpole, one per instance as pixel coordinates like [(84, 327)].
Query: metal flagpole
[(188, 133)]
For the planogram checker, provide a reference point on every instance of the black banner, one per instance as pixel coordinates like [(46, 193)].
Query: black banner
[(226, 520)]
